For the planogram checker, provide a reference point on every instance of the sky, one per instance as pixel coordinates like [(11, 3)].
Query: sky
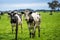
[(24, 4)]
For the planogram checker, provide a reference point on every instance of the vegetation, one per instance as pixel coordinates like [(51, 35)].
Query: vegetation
[(50, 28)]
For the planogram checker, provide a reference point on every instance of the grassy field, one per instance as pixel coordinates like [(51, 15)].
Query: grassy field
[(49, 28)]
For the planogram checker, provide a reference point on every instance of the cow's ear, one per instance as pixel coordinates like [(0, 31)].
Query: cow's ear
[(9, 13), (12, 12), (30, 13), (22, 12)]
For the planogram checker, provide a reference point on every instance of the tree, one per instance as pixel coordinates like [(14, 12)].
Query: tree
[(53, 5), (58, 6)]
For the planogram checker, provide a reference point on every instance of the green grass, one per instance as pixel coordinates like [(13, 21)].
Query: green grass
[(49, 28)]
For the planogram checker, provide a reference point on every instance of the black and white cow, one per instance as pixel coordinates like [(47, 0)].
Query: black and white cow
[(16, 19), (33, 21)]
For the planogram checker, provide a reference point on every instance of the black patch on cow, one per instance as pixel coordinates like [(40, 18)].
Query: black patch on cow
[(22, 12), (13, 20), (30, 13), (8, 13), (31, 20), (12, 12)]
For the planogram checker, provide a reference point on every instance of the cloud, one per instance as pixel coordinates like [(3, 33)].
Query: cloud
[(30, 5), (24, 5)]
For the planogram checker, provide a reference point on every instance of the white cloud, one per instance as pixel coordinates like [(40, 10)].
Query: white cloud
[(24, 5), (15, 6)]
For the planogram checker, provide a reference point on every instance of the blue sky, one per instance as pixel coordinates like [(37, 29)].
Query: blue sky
[(23, 4)]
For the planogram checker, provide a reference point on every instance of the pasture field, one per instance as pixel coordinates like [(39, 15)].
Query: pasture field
[(49, 28)]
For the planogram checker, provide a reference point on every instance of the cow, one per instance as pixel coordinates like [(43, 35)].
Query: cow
[(15, 20), (33, 20)]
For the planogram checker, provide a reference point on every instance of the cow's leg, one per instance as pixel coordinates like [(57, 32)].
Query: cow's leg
[(39, 28), (38, 31), (12, 28), (29, 30), (34, 30), (16, 30)]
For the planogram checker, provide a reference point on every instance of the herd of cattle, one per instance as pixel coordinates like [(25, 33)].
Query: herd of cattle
[(33, 20)]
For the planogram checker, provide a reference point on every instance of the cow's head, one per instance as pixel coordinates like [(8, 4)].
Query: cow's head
[(12, 13), (27, 14)]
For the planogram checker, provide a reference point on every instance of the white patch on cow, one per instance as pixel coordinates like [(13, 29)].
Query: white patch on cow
[(19, 19), (35, 16)]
